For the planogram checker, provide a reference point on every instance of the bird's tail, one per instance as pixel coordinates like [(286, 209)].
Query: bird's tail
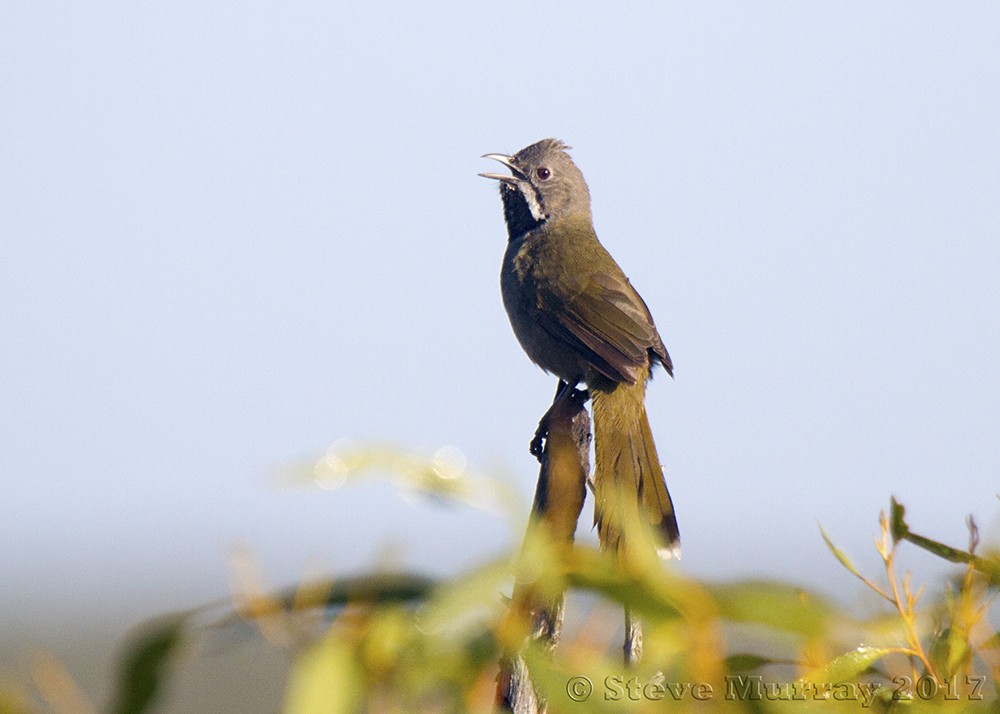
[(629, 487)]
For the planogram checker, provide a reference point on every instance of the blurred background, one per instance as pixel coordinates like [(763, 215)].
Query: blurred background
[(234, 234)]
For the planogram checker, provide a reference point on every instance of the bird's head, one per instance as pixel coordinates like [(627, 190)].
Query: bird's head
[(544, 184)]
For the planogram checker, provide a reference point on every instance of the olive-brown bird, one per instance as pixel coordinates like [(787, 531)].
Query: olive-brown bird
[(577, 316)]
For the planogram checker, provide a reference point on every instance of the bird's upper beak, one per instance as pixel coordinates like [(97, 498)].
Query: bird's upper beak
[(507, 161)]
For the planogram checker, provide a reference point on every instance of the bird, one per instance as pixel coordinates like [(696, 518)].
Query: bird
[(577, 316)]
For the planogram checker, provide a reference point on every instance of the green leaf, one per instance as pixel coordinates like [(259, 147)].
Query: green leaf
[(848, 666), (840, 555), (950, 651), (145, 663), (988, 565), (748, 662), (941, 550), (897, 522), (326, 679), (379, 588), (653, 592), (450, 607), (775, 605), (581, 688)]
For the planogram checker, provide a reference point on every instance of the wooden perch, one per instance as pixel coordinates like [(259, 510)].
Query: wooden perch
[(559, 496)]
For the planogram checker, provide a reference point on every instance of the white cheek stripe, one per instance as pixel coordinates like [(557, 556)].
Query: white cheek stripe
[(533, 205)]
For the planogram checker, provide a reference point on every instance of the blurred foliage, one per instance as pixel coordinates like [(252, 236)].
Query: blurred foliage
[(391, 642), (145, 663)]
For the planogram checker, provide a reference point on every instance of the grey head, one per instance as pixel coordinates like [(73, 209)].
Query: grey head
[(544, 185)]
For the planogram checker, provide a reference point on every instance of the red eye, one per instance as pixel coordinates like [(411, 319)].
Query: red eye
[(543, 173)]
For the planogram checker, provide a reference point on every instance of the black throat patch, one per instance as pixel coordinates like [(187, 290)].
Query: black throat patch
[(517, 213)]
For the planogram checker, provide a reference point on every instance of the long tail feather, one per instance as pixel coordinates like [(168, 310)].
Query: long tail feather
[(628, 482)]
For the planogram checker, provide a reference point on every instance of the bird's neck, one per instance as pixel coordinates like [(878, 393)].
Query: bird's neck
[(521, 222), (577, 227)]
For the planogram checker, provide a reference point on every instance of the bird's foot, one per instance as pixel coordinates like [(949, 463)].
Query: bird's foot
[(537, 446), (563, 392)]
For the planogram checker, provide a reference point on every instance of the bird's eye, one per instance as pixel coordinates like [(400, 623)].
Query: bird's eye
[(543, 173)]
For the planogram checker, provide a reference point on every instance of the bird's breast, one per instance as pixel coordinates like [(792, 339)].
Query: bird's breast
[(527, 273)]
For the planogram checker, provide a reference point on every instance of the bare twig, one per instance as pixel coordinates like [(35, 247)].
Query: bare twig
[(633, 639)]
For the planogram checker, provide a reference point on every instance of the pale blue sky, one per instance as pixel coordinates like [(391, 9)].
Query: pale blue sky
[(231, 234)]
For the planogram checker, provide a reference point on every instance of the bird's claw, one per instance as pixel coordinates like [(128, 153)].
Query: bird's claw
[(537, 446)]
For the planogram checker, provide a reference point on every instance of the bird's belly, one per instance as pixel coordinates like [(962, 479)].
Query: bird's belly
[(546, 352), (542, 348)]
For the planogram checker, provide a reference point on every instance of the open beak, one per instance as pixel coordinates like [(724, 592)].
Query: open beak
[(507, 161)]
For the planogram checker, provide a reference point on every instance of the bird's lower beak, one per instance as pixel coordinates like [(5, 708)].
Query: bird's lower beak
[(507, 161)]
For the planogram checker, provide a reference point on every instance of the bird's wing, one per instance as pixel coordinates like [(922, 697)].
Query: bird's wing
[(608, 324)]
